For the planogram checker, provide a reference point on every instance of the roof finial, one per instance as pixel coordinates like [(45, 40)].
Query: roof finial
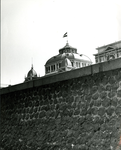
[(32, 63), (67, 41), (32, 66)]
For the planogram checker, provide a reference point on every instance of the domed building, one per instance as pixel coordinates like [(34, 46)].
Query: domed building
[(32, 75), (66, 60)]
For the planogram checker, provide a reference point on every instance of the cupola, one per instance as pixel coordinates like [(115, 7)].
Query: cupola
[(31, 74), (67, 49)]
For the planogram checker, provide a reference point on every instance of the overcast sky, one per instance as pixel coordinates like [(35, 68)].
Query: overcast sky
[(32, 31)]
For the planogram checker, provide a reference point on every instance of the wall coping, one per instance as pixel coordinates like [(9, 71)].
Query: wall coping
[(48, 79)]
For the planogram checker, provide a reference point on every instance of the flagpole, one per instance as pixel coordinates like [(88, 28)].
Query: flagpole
[(67, 37)]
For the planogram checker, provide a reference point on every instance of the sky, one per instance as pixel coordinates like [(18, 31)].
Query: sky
[(32, 32)]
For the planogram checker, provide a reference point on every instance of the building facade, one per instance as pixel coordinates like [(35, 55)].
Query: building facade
[(67, 59), (108, 52)]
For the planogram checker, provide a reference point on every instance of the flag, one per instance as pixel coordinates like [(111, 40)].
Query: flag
[(65, 35)]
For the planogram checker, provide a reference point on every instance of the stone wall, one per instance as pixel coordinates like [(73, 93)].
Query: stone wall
[(78, 110)]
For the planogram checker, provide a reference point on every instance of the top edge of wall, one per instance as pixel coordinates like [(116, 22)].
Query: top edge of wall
[(48, 79)]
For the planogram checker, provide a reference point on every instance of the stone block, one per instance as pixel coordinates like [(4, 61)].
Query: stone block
[(110, 111), (111, 94), (101, 111), (118, 111), (106, 102), (119, 93), (97, 103), (42, 114)]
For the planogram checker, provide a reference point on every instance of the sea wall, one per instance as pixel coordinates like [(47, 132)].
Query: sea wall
[(78, 110)]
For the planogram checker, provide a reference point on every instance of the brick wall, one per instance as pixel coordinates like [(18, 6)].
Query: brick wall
[(78, 110)]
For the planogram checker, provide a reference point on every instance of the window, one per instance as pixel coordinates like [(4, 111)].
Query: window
[(48, 69), (83, 64), (67, 50), (59, 65), (72, 63), (97, 60), (77, 64), (101, 59), (52, 68)]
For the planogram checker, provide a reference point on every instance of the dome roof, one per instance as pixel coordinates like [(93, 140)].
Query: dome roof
[(32, 73), (63, 56)]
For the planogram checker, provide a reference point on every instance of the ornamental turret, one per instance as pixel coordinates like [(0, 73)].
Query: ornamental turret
[(32, 75)]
